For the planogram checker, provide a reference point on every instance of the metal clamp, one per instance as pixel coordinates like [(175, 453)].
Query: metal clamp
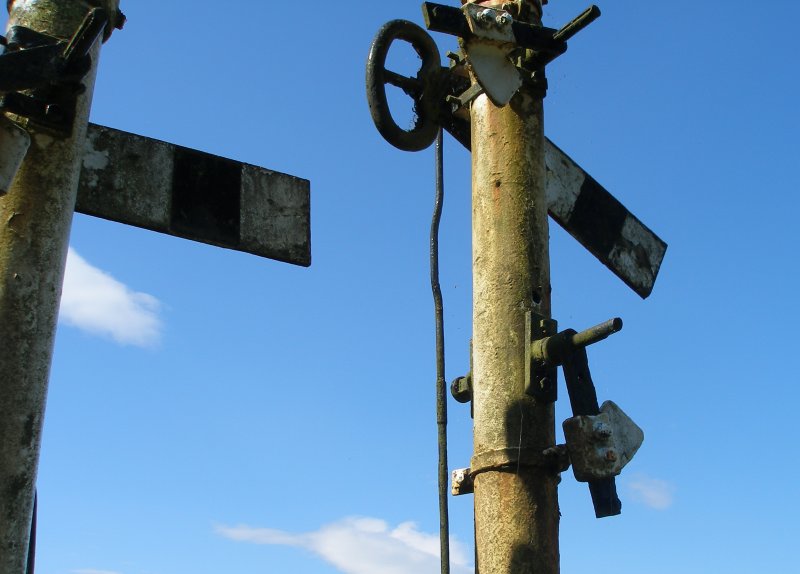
[(540, 377), (51, 68), (554, 459)]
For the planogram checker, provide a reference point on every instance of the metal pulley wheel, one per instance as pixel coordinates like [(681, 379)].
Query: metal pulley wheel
[(425, 128)]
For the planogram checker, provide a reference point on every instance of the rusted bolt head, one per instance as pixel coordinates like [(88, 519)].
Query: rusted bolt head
[(611, 455), (602, 431)]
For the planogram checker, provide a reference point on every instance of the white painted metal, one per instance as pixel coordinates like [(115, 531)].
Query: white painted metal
[(601, 445), (488, 52), (274, 213), (634, 255), (494, 71)]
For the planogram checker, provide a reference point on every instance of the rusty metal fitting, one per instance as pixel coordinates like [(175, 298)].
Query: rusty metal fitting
[(462, 482), (510, 459)]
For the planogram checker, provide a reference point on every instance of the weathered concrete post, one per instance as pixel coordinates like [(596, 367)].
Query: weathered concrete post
[(35, 220), (516, 504)]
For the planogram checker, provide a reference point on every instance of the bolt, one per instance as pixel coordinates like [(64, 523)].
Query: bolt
[(602, 431), (487, 16), (504, 19), (611, 455)]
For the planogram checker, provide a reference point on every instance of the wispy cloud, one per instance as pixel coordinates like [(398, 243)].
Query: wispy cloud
[(89, 571), (95, 302), (358, 545), (653, 492)]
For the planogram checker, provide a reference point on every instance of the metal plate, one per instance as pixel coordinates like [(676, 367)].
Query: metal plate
[(601, 223), (588, 212), (194, 195), (493, 70)]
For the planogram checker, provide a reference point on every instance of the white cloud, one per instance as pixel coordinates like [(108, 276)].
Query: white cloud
[(95, 302), (89, 571), (652, 492), (364, 546)]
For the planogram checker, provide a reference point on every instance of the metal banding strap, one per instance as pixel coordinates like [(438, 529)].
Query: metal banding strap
[(509, 459)]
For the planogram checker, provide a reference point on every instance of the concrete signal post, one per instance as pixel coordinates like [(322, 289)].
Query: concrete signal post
[(516, 501), (35, 220)]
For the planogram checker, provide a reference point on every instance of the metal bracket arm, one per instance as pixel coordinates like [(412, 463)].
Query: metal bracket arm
[(545, 350), (450, 20), (548, 43), (555, 350), (583, 399)]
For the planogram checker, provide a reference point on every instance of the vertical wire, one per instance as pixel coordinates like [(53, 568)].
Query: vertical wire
[(441, 386)]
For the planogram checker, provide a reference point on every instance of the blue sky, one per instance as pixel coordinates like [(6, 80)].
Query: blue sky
[(210, 411)]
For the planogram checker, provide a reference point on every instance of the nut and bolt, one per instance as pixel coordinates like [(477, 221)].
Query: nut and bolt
[(488, 15), (611, 455), (602, 431), (494, 17), (504, 19)]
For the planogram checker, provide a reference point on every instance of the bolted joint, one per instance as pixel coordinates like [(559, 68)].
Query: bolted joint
[(601, 445), (541, 376), (519, 9)]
